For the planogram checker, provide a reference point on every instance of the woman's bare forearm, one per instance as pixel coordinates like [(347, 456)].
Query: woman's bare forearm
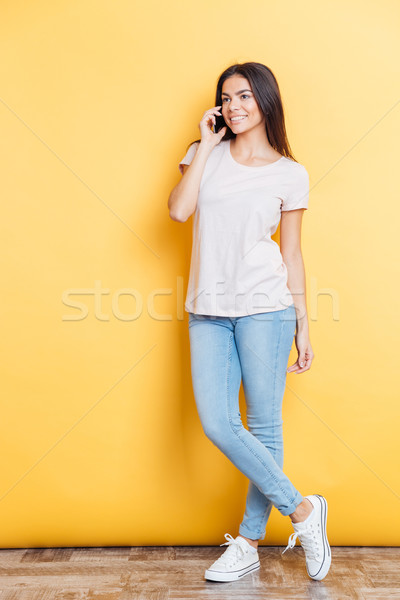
[(297, 286), (182, 200)]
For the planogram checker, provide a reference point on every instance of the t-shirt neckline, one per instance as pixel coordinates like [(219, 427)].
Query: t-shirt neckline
[(228, 147)]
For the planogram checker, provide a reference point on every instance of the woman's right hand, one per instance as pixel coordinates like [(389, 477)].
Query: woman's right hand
[(208, 120)]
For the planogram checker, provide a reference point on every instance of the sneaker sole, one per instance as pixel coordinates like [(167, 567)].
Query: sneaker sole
[(326, 562), (232, 576)]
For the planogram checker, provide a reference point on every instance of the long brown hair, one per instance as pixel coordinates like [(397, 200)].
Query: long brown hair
[(266, 91)]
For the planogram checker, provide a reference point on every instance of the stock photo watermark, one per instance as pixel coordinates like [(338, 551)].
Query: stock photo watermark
[(82, 307)]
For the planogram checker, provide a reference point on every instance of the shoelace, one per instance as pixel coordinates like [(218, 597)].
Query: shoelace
[(232, 554), (309, 540)]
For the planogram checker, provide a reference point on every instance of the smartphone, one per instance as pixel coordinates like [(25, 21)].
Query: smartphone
[(218, 123)]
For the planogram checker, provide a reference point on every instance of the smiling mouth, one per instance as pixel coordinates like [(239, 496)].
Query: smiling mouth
[(238, 118)]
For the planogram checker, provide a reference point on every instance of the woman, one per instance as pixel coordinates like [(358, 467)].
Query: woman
[(246, 301)]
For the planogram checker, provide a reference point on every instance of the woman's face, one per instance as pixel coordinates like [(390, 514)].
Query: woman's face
[(239, 107)]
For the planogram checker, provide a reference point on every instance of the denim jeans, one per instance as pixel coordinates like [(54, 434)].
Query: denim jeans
[(254, 349)]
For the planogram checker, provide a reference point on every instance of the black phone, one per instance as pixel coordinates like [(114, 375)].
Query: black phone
[(219, 122)]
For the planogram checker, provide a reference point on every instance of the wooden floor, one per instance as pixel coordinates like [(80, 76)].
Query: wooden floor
[(159, 573)]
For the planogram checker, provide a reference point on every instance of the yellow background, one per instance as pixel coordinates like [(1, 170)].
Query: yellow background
[(101, 442)]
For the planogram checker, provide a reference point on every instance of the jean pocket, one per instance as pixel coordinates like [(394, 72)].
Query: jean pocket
[(195, 318), (289, 313), (192, 318)]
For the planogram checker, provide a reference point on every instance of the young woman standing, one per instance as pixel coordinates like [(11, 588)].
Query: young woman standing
[(246, 302)]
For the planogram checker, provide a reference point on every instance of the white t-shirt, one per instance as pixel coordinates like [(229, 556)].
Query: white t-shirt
[(236, 269)]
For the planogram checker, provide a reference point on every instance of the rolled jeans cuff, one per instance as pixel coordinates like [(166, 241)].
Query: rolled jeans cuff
[(292, 507)]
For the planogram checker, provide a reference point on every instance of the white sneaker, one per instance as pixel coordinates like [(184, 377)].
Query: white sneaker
[(312, 536), (237, 560)]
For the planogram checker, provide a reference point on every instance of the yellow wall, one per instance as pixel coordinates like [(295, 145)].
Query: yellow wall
[(101, 443)]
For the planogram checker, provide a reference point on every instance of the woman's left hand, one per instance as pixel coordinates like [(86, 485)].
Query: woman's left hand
[(305, 354)]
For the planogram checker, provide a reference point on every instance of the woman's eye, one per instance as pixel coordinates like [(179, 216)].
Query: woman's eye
[(242, 96)]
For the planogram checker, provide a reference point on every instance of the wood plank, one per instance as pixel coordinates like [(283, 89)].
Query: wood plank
[(177, 573)]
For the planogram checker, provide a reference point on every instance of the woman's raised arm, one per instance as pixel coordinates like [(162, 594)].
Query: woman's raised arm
[(182, 200)]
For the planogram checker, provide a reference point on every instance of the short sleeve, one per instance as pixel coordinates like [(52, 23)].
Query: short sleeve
[(298, 191), (187, 159)]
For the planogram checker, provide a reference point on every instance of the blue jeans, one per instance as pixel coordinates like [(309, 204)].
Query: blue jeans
[(253, 348)]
